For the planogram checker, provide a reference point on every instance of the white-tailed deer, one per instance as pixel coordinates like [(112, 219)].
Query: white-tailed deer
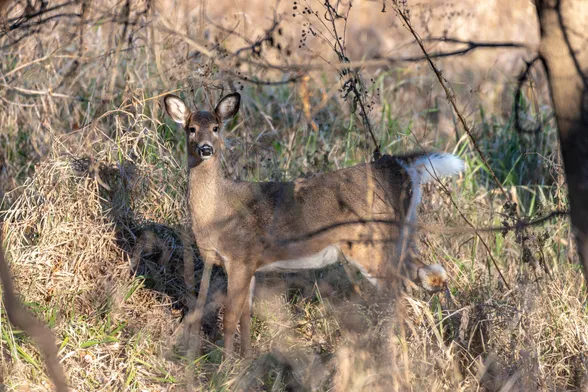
[(362, 214)]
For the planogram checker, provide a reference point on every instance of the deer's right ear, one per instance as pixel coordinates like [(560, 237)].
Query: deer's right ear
[(176, 108), (228, 106)]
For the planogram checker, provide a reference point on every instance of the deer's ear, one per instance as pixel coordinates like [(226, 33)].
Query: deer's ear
[(228, 106), (176, 108)]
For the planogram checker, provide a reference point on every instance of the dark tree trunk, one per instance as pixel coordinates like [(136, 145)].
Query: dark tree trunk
[(564, 51)]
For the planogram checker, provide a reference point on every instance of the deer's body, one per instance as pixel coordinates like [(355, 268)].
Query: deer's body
[(298, 225), (358, 214)]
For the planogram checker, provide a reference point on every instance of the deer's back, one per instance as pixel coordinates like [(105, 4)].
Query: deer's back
[(277, 221)]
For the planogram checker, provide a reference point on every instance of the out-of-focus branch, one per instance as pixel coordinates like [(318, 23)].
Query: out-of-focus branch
[(354, 83), (20, 317), (451, 98), (523, 77), (433, 228), (242, 55), (471, 45), (403, 15), (20, 22)]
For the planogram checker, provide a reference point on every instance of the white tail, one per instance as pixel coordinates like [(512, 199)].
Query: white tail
[(437, 165), (424, 168)]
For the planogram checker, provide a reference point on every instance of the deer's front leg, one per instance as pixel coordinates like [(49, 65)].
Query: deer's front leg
[(194, 318), (246, 320), (237, 293)]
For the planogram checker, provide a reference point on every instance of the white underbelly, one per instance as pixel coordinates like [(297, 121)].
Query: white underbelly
[(325, 257)]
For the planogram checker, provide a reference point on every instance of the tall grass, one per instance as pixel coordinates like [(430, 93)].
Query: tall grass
[(95, 213)]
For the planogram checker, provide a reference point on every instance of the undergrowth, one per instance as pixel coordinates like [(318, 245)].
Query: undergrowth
[(95, 224)]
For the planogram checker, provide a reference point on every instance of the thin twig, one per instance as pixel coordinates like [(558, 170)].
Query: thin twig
[(469, 223), (518, 95), (427, 228), (351, 85), (22, 318), (451, 98)]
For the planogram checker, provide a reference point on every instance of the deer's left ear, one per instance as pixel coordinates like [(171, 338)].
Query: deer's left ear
[(228, 106)]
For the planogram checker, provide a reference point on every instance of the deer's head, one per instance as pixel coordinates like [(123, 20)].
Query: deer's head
[(202, 127)]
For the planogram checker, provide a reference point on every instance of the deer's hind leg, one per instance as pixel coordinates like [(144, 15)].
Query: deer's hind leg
[(371, 261)]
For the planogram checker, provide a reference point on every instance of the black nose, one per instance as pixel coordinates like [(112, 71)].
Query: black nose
[(206, 150)]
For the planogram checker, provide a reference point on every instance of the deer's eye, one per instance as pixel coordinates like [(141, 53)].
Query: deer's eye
[(215, 129), (192, 130)]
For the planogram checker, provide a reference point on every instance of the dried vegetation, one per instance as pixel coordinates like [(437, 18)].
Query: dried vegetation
[(95, 218)]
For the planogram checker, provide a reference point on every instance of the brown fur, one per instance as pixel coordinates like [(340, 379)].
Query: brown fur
[(3, 3)]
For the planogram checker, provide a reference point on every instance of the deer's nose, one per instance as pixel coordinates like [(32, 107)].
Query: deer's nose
[(205, 150)]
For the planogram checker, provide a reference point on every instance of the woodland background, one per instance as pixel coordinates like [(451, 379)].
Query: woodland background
[(94, 183)]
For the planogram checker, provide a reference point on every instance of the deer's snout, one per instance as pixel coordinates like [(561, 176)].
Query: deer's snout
[(205, 150)]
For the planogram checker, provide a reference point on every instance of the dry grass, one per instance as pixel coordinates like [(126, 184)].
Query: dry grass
[(95, 215)]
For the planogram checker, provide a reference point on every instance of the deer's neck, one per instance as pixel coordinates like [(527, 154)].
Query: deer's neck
[(205, 180), (206, 185)]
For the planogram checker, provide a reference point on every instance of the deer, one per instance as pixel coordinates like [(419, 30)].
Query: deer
[(363, 215)]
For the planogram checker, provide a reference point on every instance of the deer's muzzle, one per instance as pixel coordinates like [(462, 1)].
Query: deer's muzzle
[(205, 151)]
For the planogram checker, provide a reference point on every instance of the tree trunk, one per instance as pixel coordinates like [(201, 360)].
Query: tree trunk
[(564, 51)]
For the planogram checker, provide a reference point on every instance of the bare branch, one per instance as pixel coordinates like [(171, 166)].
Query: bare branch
[(22, 318), (431, 228), (518, 95), (451, 98)]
